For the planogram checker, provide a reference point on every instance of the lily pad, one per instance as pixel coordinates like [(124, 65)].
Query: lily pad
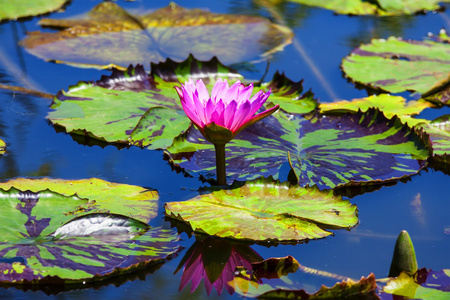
[(265, 211), (422, 285), (48, 237), (439, 132), (14, 9), (101, 196), (397, 65), (330, 150), (377, 7), (110, 36), (133, 107), (2, 147), (390, 106)]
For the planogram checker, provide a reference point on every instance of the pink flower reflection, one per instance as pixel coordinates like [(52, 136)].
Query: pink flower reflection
[(215, 260)]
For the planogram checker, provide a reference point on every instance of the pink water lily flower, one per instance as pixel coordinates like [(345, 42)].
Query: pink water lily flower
[(229, 109)]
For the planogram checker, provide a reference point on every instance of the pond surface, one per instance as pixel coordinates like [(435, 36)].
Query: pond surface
[(322, 40)]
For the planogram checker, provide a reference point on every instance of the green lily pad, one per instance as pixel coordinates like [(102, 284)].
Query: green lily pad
[(56, 239), (265, 211), (390, 106), (14, 9), (110, 36), (101, 196), (439, 132), (330, 150), (397, 65), (377, 7), (422, 285), (133, 107), (2, 147)]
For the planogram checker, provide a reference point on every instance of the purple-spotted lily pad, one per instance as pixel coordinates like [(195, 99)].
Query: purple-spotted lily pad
[(377, 7), (424, 284), (439, 132), (133, 107), (326, 151), (265, 211), (397, 65), (110, 36), (52, 238), (12, 10)]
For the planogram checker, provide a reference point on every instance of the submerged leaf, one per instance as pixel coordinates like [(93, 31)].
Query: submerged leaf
[(377, 7), (14, 9), (43, 242), (133, 107), (110, 36), (327, 150), (264, 211)]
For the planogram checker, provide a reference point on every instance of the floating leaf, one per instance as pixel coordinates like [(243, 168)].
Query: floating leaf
[(396, 65), (265, 211), (102, 196), (439, 132), (422, 285), (364, 288), (133, 107), (275, 267), (110, 36), (42, 241), (378, 7), (331, 150), (13, 9), (390, 106), (2, 147)]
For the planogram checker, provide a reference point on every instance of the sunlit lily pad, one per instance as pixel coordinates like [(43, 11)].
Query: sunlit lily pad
[(133, 107), (423, 285), (2, 147), (52, 238), (330, 150), (13, 9), (110, 36), (265, 211), (378, 7), (101, 196), (397, 65), (390, 106)]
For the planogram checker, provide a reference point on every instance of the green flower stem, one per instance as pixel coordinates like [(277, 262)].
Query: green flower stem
[(220, 164)]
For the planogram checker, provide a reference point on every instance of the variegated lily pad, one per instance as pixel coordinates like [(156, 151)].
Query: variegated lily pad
[(265, 211), (110, 36), (397, 65), (439, 132), (326, 151), (66, 239), (133, 107)]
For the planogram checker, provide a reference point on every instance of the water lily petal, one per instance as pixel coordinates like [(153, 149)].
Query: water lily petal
[(229, 113), (202, 92), (240, 115), (233, 91), (245, 92), (219, 90)]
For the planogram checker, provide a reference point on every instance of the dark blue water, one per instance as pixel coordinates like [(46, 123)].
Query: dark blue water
[(322, 41)]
